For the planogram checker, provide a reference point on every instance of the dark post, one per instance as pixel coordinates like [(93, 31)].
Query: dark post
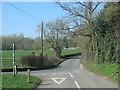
[(41, 43)]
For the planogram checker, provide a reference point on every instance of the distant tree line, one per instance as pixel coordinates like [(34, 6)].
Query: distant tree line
[(25, 43)]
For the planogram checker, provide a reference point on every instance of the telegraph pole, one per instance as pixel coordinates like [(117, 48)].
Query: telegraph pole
[(41, 43)]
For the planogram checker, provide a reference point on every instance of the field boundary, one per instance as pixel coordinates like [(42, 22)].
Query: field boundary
[(24, 69)]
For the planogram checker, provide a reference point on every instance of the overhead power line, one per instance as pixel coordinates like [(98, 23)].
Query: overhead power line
[(23, 12)]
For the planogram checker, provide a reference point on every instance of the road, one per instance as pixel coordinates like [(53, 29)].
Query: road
[(71, 74)]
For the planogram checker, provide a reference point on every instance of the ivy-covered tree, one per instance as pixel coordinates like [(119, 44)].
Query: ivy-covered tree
[(105, 32)]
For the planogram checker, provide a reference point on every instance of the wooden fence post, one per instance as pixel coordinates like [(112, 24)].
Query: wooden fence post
[(28, 75)]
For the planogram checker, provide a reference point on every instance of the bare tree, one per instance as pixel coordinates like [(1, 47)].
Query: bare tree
[(82, 15), (81, 12), (55, 32)]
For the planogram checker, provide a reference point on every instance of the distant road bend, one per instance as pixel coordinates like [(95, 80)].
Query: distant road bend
[(71, 74)]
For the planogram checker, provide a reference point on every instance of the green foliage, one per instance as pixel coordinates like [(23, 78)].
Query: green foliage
[(104, 34), (99, 40), (24, 43), (19, 81)]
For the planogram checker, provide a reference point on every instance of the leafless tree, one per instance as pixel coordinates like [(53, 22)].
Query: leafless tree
[(81, 12), (54, 33), (82, 15)]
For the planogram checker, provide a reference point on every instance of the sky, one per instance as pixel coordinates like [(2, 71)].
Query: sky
[(16, 22)]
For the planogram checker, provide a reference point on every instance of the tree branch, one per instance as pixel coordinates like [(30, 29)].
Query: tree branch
[(96, 6)]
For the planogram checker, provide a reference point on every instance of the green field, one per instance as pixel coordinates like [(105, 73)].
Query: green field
[(7, 55), (19, 81)]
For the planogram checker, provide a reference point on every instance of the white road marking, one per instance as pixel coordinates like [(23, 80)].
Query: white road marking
[(81, 66), (71, 75), (58, 82), (77, 84)]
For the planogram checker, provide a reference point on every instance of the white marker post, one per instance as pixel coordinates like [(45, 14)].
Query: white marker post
[(13, 59), (15, 68)]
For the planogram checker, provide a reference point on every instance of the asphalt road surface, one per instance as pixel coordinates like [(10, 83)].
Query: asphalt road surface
[(71, 74)]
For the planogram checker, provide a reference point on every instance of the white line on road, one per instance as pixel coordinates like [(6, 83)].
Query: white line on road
[(71, 75), (58, 82), (81, 66), (77, 84)]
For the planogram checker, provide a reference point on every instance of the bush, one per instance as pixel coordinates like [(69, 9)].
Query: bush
[(35, 61)]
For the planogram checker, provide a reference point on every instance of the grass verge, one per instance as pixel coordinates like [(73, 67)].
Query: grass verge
[(110, 71), (19, 81)]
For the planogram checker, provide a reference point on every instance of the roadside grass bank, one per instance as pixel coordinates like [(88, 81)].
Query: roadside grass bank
[(107, 70), (19, 81)]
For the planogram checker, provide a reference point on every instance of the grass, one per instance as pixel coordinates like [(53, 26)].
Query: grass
[(19, 81), (19, 53), (108, 70), (7, 63)]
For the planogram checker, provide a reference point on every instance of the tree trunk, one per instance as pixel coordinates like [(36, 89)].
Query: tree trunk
[(58, 52)]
